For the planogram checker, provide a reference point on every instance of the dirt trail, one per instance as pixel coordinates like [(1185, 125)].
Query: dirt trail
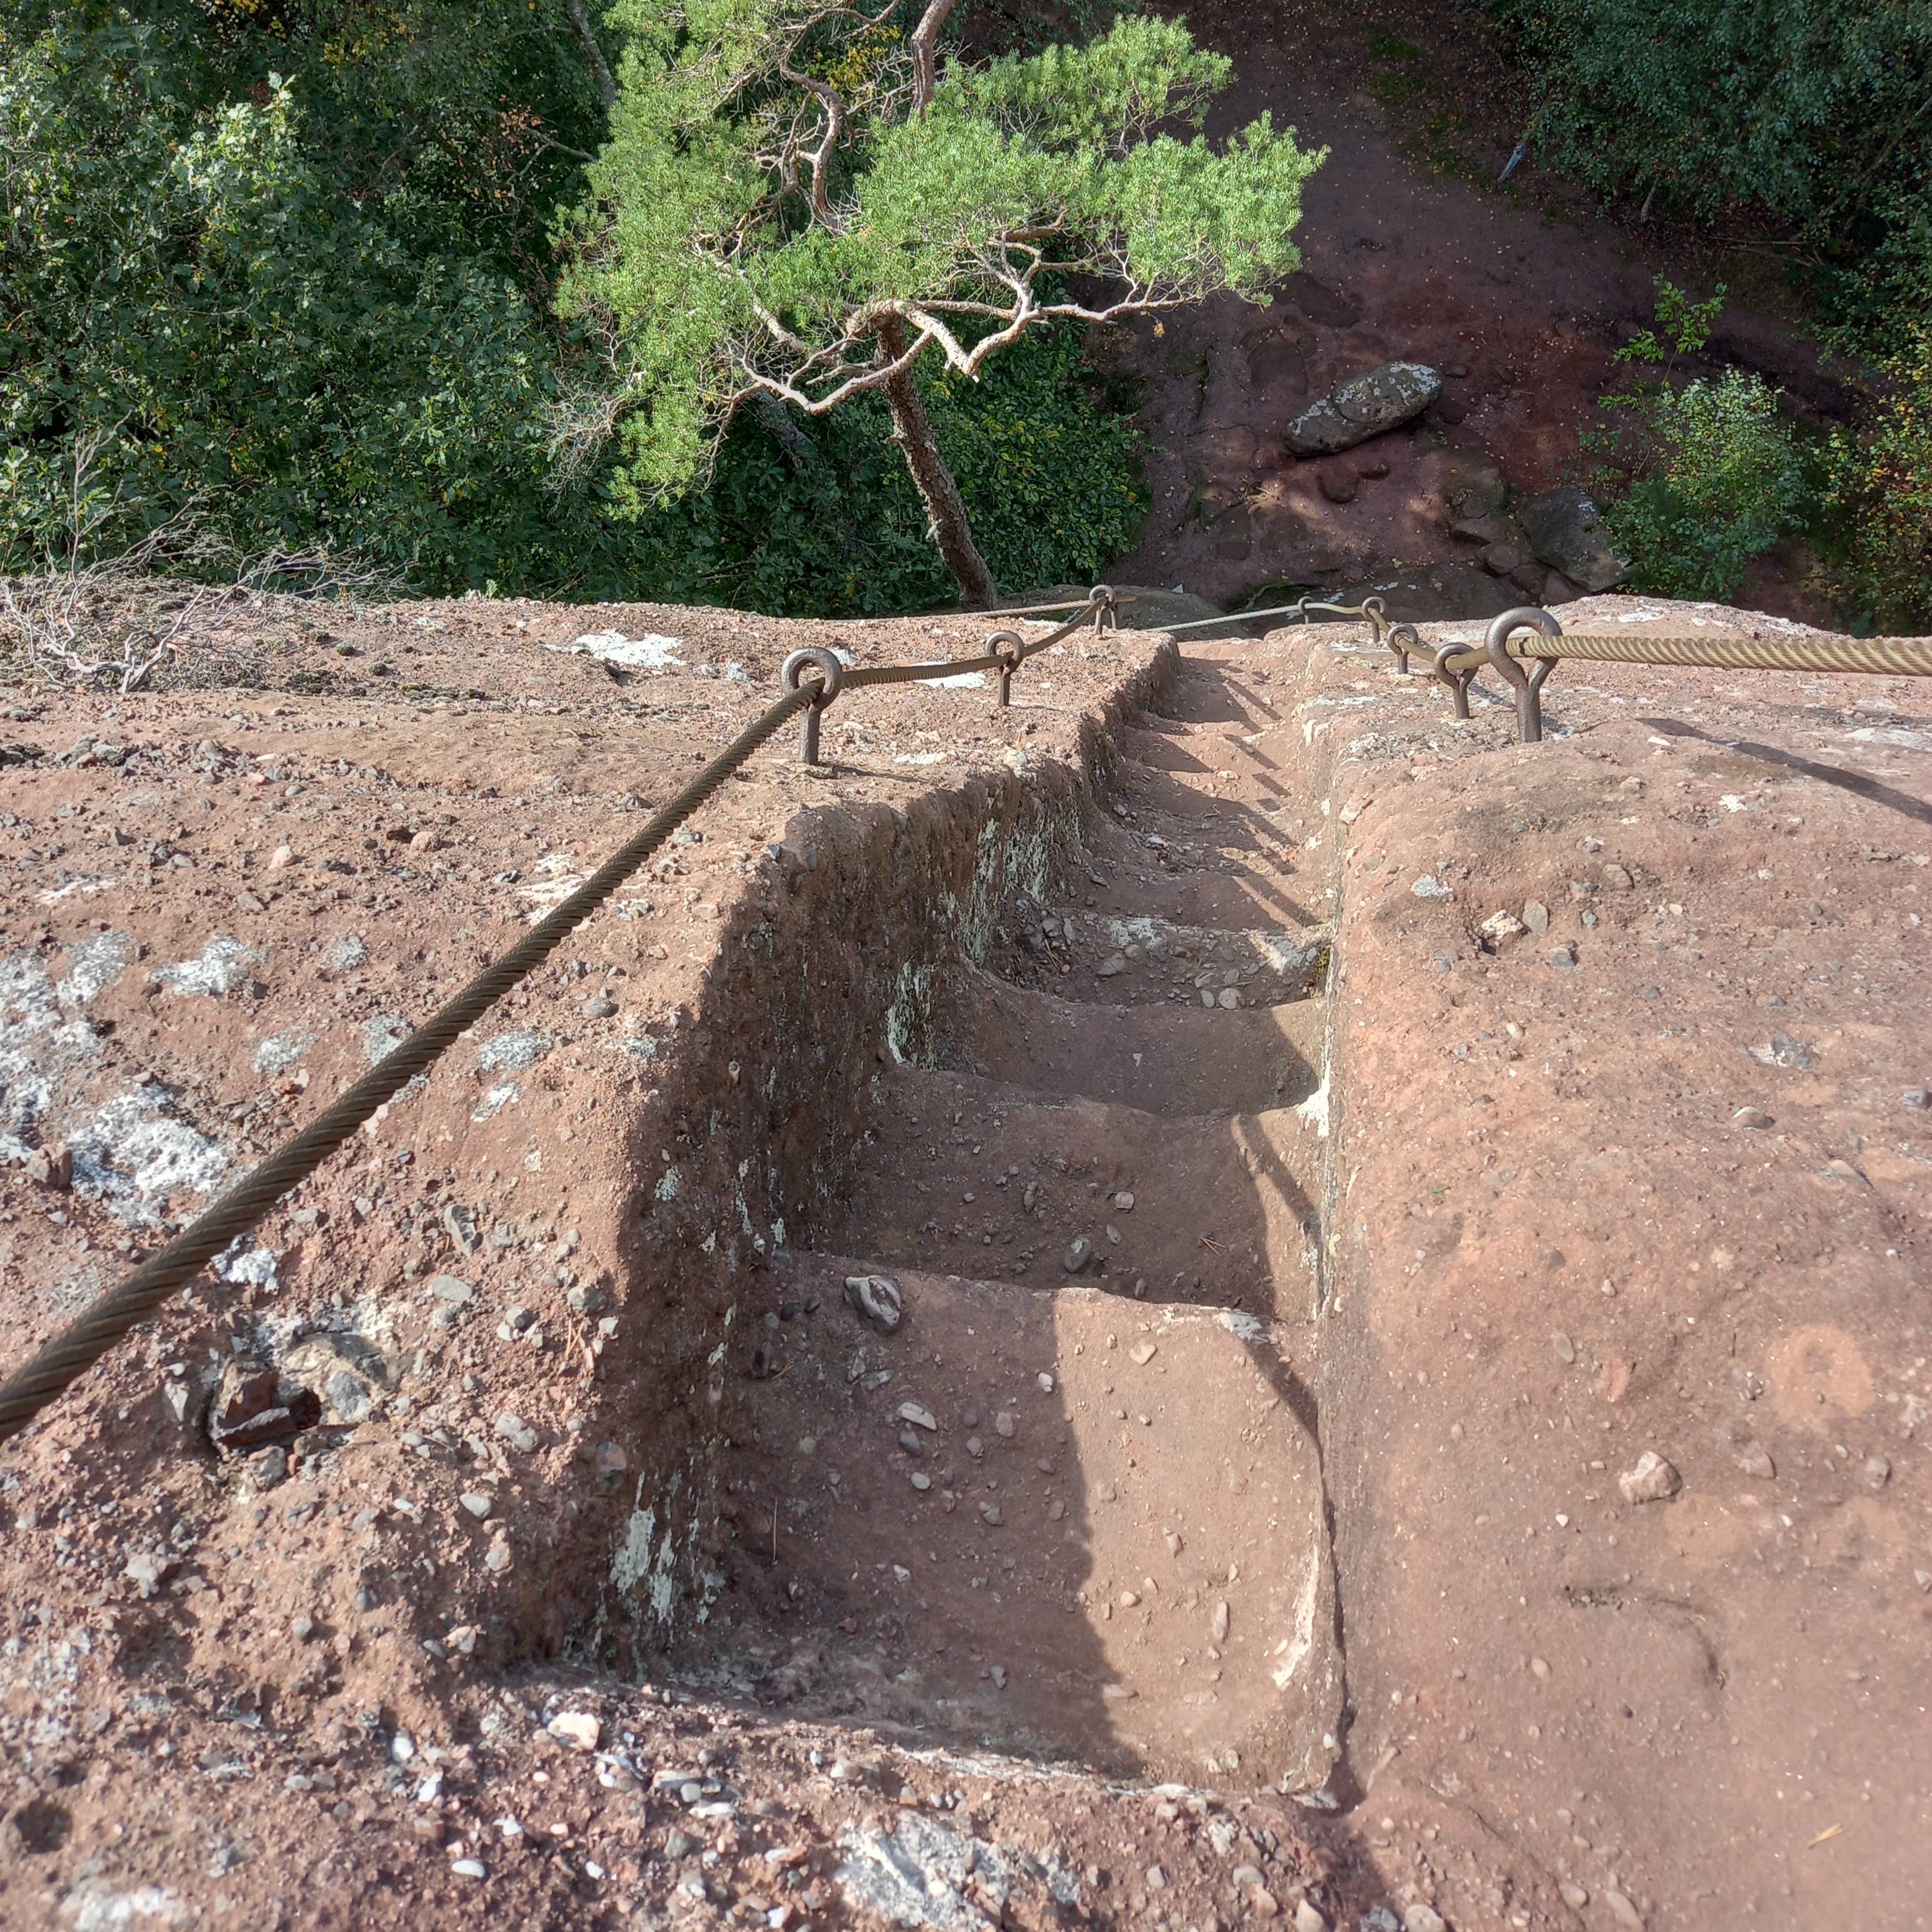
[(1520, 305)]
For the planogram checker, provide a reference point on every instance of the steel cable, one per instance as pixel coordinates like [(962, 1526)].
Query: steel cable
[(70, 1354), (1877, 657)]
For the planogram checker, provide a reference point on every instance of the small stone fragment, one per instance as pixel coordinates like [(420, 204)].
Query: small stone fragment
[(1005, 1422), (1754, 1460), (1574, 1896), (1217, 1624), (921, 1481), (1308, 1918), (1750, 1117), (476, 1503), (1245, 1878), (1564, 956), (1114, 963), (1078, 1255), (451, 1289), (1878, 1471), (578, 1728), (468, 1868), (599, 1006), (910, 1411), (496, 1559), (1536, 917), (1653, 1480), (1539, 1669), (1566, 1349), (1917, 1098), (1500, 931), (877, 1299), (1615, 878), (1419, 1918), (1142, 1353), (1228, 999), (1621, 1910)]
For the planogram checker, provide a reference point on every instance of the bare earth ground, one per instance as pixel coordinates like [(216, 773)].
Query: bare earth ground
[(1520, 296), (1233, 1528)]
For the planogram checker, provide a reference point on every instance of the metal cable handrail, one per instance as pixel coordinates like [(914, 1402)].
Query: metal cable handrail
[(1505, 650), (58, 1363)]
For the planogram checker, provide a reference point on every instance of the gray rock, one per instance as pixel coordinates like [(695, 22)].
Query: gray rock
[(1380, 400), (876, 1297), (1078, 1255), (600, 1006), (1653, 1480), (1565, 529)]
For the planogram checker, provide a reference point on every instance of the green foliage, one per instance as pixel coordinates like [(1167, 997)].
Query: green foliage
[(1720, 479), (1050, 480), (1817, 113), (288, 264), (196, 310), (1814, 117), (726, 256), (1880, 496), (1686, 326)]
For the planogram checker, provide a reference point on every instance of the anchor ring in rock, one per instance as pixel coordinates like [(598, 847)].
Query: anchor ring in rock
[(877, 1298), (791, 676), (1528, 683), (1106, 603), (1401, 639), (1458, 681), (1010, 647), (827, 661)]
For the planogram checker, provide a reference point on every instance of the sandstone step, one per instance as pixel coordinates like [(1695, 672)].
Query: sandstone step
[(1121, 959), (1171, 1059), (1049, 1523), (972, 1176)]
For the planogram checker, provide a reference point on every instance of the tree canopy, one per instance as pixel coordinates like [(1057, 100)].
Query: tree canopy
[(791, 207)]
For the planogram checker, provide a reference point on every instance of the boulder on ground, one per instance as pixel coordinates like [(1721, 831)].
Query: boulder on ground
[(1382, 399), (1566, 531)]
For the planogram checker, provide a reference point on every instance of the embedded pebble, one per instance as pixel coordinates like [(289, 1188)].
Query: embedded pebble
[(1878, 1471), (1229, 998), (921, 1481), (1142, 1353), (1539, 1669), (1308, 1918), (1004, 1423), (600, 1005), (922, 1418), (1574, 1896), (1124, 1202), (1750, 1117), (468, 1867), (478, 1505), (1078, 1255), (578, 1728), (1653, 1480), (1536, 917), (909, 1442), (1754, 1460), (1419, 1918), (1566, 1349), (1217, 1624)]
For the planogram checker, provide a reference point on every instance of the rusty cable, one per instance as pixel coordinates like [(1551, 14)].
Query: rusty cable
[(60, 1362), (1875, 657)]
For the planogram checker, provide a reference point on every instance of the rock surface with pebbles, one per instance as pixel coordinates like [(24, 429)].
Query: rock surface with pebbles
[(1024, 1332)]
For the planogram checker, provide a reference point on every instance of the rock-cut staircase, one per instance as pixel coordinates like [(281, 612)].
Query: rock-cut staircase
[(1072, 1506)]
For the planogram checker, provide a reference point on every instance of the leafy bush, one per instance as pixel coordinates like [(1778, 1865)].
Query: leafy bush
[(1723, 481), (1814, 112), (1880, 497)]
